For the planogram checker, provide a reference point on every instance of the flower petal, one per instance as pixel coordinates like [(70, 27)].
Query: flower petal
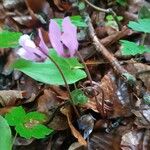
[(26, 41), (23, 53), (55, 37), (69, 36), (42, 44)]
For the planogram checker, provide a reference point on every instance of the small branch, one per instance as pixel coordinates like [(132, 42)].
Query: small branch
[(113, 61), (109, 11), (64, 79), (97, 8), (91, 82)]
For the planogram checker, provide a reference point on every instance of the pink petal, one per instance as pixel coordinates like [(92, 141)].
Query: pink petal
[(25, 40), (69, 36), (26, 55), (42, 44), (55, 37)]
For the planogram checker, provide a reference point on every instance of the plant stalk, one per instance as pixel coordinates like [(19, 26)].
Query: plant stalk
[(64, 79)]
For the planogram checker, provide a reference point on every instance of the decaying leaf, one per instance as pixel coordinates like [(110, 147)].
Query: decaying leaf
[(61, 5), (10, 97), (136, 140), (104, 141), (113, 94), (47, 101), (67, 112), (142, 116)]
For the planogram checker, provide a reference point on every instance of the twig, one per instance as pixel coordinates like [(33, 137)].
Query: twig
[(113, 61), (97, 8), (90, 79), (109, 11), (64, 79)]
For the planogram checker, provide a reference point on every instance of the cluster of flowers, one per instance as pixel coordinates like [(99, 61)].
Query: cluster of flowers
[(65, 43)]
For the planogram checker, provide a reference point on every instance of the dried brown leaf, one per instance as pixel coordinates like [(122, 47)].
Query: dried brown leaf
[(10, 97), (136, 140), (47, 101), (67, 112), (113, 95)]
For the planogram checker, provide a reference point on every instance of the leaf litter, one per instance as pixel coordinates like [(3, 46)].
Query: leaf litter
[(120, 114)]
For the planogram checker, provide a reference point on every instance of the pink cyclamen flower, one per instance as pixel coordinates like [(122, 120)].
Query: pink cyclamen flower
[(65, 43), (30, 51)]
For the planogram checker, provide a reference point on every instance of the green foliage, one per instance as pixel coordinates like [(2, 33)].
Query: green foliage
[(144, 13), (130, 79), (28, 125), (47, 72), (146, 98), (142, 25), (81, 5), (15, 116), (5, 137), (111, 22), (122, 2), (130, 48), (9, 39), (76, 20), (78, 97)]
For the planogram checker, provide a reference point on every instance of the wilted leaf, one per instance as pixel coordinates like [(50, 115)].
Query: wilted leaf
[(67, 112), (104, 141), (10, 97), (136, 140), (114, 96)]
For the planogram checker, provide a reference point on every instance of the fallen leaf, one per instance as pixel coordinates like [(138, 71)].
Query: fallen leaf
[(136, 140), (113, 97), (47, 101), (61, 5), (10, 97), (67, 112)]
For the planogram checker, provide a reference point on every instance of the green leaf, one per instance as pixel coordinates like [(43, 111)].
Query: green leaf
[(144, 13), (5, 137), (15, 116), (122, 2), (130, 48), (28, 125), (142, 25), (9, 39), (76, 20), (111, 22), (38, 131), (35, 116), (48, 73), (79, 97)]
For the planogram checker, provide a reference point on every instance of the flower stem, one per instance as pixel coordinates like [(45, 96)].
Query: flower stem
[(14, 139), (90, 79), (65, 81)]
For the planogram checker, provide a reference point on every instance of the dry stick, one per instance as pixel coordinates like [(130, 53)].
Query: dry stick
[(90, 78), (64, 79), (109, 11), (113, 61)]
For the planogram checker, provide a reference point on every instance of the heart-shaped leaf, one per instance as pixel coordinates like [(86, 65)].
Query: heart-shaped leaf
[(142, 25), (48, 73)]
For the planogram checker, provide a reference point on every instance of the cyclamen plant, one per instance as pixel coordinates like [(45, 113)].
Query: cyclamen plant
[(64, 43)]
